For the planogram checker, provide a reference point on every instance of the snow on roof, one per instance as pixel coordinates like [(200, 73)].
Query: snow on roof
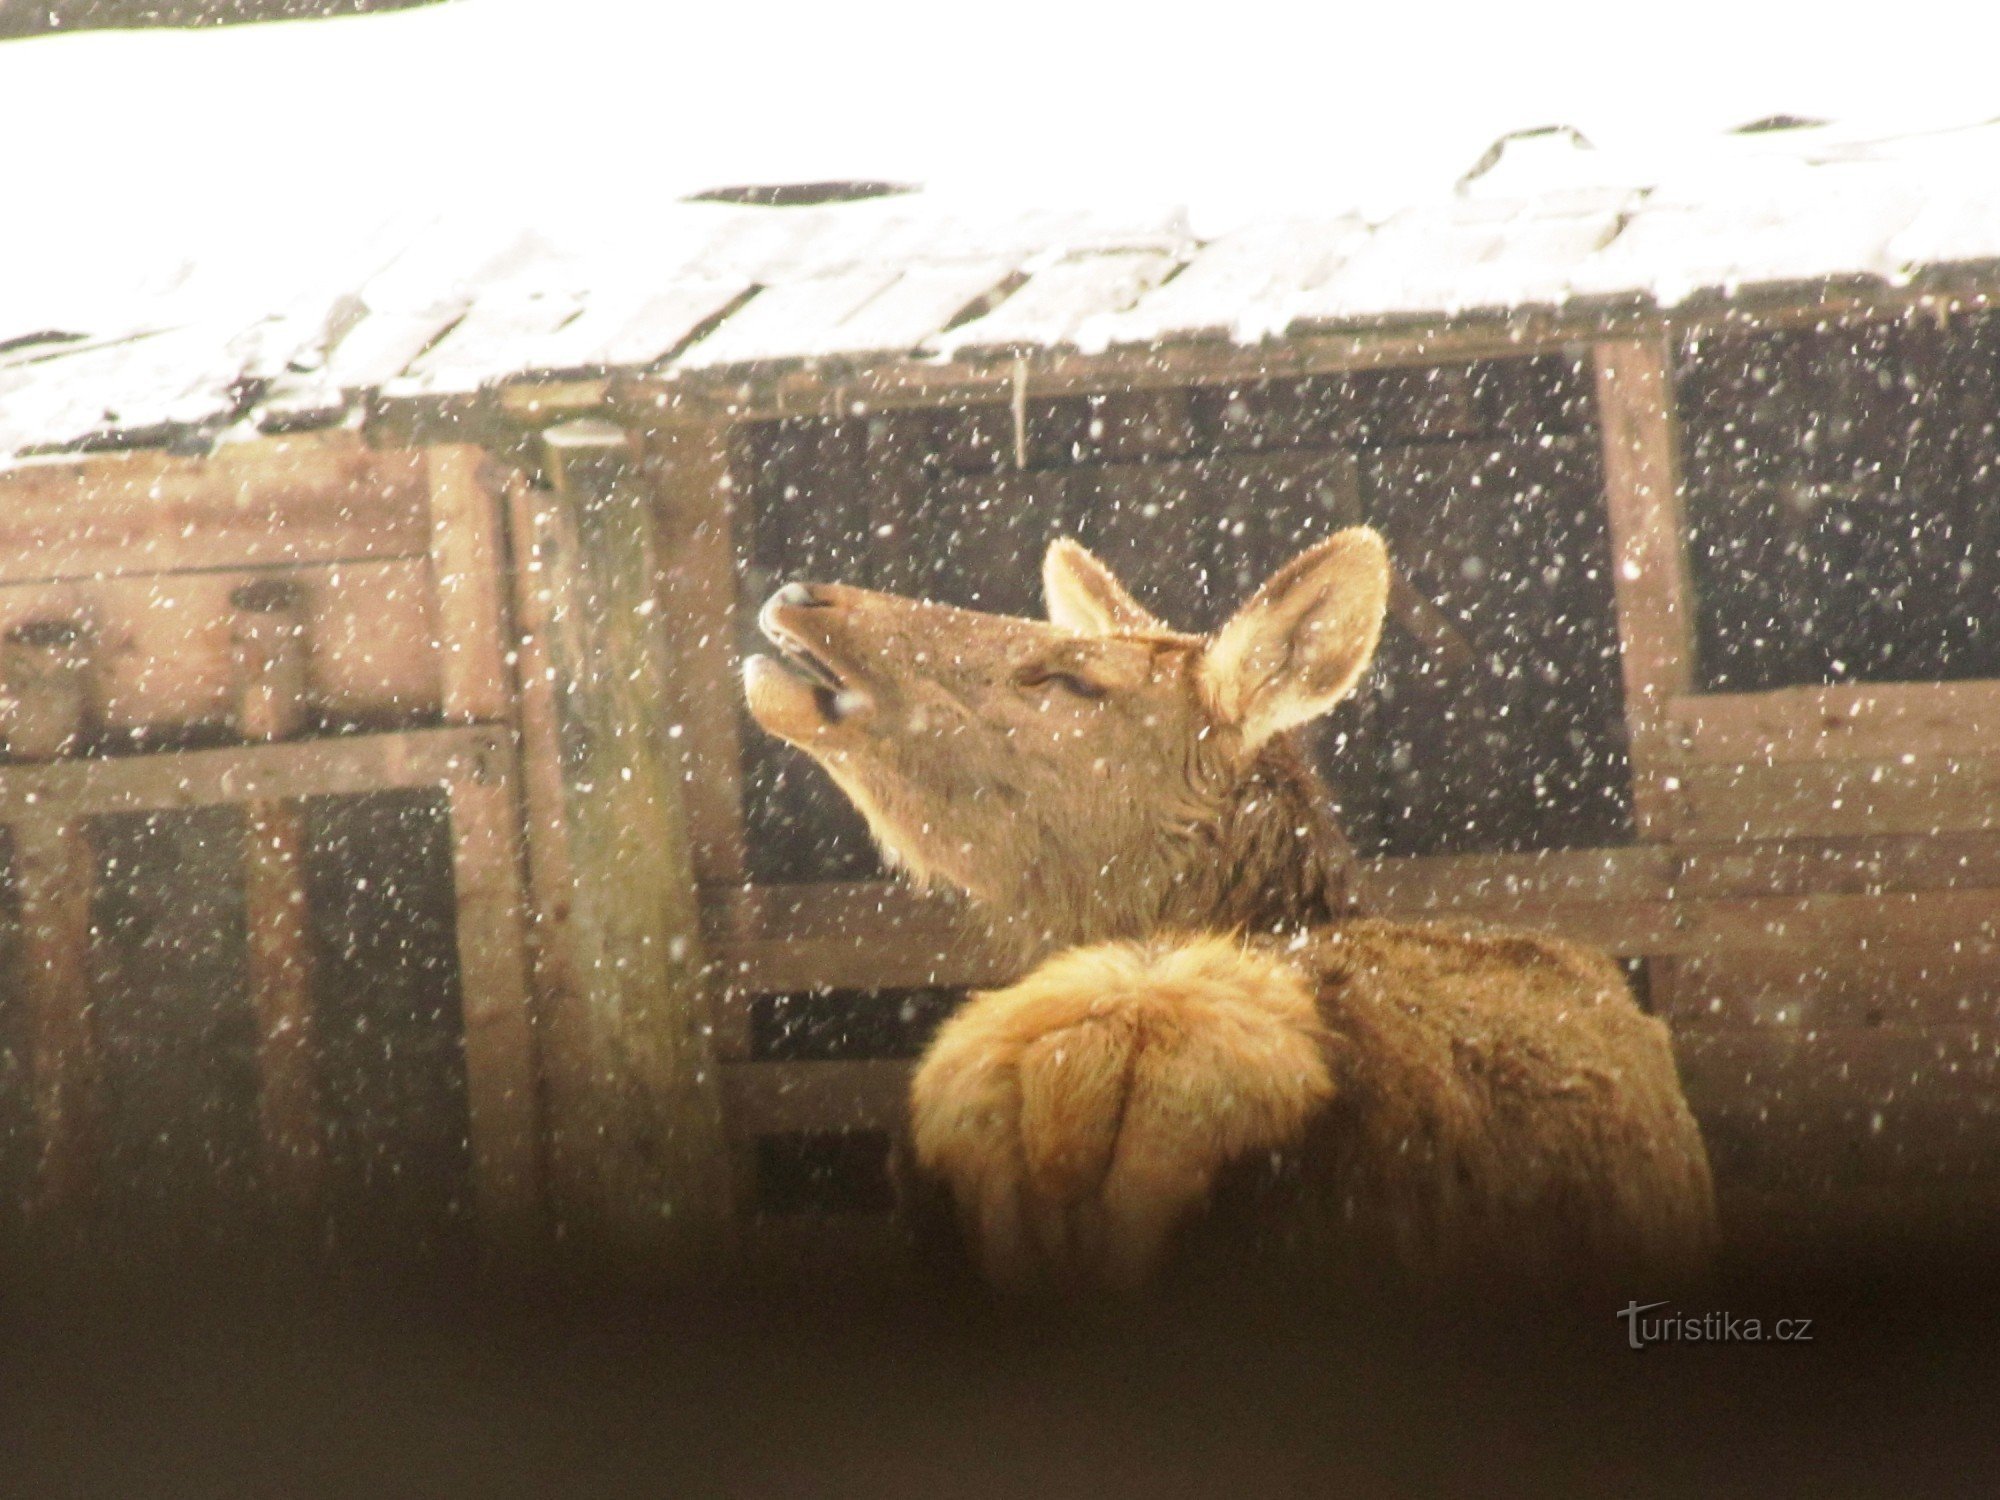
[(696, 288)]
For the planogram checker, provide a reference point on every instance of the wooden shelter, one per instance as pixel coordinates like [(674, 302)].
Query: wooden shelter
[(1692, 473)]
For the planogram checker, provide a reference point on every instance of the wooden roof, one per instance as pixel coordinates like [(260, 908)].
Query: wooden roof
[(714, 291)]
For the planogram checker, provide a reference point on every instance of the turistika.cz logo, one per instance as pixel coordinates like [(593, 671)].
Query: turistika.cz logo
[(1643, 1326)]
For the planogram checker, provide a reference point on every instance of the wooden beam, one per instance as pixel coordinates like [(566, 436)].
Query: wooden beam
[(283, 501), (236, 774), (54, 870), (163, 653), (1635, 405), (688, 469), (846, 388), (1720, 802), (653, 1116), (468, 556), (279, 961), (269, 636), (1854, 721), (500, 1056), (468, 578), (47, 674), (541, 546)]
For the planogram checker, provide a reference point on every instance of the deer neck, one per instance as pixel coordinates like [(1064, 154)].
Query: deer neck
[(1269, 858)]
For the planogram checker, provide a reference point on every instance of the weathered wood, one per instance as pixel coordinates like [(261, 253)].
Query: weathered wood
[(500, 1053), (279, 962), (268, 633), (270, 651), (1942, 983), (48, 677), (541, 547), (653, 1117), (688, 470), (1854, 721), (1649, 560), (291, 500), (164, 656), (467, 553), (1397, 343), (53, 874), (248, 773), (1720, 802)]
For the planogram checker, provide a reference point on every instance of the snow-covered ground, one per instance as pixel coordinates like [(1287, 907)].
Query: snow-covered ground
[(236, 165)]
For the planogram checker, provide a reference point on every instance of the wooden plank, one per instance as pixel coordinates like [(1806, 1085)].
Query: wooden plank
[(1404, 342), (1244, 285), (922, 301), (539, 545), (1723, 802), (270, 641), (1893, 919), (1853, 721), (654, 1114), (500, 1059), (279, 978), (163, 651), (790, 321), (764, 1097), (486, 345), (1649, 558), (1921, 985), (629, 327), (467, 555), (1820, 866), (1065, 305), (53, 873), (688, 470), (295, 500), (206, 778)]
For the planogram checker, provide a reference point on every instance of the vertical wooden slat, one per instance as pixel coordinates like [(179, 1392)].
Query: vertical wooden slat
[(689, 472), (268, 635), (1635, 403), (541, 550), (47, 675), (467, 556), (652, 1111), (500, 1071), (53, 868), (274, 906)]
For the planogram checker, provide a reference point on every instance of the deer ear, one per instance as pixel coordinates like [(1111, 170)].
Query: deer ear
[(1299, 646), (1083, 596)]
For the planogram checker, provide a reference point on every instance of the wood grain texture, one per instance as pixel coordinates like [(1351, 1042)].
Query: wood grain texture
[(296, 500), (468, 579), (500, 1053), (53, 874), (1649, 562), (652, 1115)]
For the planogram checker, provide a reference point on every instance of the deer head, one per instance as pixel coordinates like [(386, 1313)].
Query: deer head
[(1098, 775)]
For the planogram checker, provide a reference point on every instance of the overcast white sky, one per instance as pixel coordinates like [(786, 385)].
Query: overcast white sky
[(250, 143)]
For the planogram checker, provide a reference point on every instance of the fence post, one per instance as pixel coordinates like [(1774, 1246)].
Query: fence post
[(639, 1107)]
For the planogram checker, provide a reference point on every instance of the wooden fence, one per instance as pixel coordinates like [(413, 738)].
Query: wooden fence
[(1811, 881)]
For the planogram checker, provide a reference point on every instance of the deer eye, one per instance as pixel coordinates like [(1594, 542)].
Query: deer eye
[(1069, 682)]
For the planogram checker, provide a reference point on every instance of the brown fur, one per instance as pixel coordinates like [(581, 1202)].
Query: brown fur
[(1395, 1098), (1084, 1113)]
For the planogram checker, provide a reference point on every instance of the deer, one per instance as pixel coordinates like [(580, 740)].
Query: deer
[(1211, 1042)]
